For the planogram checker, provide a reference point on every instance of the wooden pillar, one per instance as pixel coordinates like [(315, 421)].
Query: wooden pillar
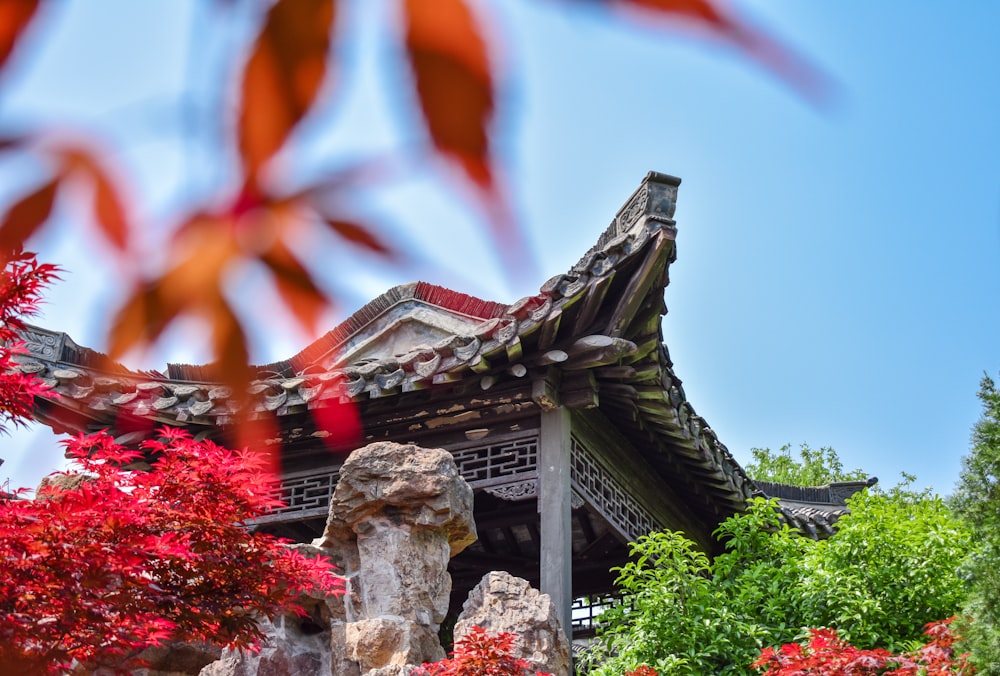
[(554, 509)]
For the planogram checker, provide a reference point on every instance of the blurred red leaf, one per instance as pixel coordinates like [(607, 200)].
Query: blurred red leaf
[(26, 215), (282, 77), (141, 319), (10, 142), (360, 235), (341, 424), (229, 345), (202, 249), (14, 17), (302, 297), (700, 10), (454, 83), (257, 434), (109, 209), (713, 16)]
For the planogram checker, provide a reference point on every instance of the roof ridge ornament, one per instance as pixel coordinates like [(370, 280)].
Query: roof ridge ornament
[(654, 200)]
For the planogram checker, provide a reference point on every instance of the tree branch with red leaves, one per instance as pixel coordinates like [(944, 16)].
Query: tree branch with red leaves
[(250, 219)]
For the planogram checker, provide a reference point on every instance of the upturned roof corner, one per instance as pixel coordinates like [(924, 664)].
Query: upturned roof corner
[(591, 340)]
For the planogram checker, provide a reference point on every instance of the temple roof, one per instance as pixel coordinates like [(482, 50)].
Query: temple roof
[(814, 510), (597, 326)]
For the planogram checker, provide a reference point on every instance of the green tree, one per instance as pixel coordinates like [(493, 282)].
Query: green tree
[(977, 500), (892, 567), (813, 467)]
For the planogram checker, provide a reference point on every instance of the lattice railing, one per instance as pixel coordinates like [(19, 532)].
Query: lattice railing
[(498, 463), (608, 496), (304, 492), (307, 493)]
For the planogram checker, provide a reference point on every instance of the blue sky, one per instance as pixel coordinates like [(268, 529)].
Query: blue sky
[(837, 274)]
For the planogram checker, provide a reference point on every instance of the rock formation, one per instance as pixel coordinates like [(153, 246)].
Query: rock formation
[(409, 511), (397, 516), (504, 603)]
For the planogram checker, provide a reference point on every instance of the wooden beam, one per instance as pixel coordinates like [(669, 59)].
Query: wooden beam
[(592, 304), (578, 390), (550, 330), (545, 389), (650, 273), (555, 560)]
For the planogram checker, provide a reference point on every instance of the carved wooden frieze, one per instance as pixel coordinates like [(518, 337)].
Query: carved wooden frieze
[(620, 507), (514, 492)]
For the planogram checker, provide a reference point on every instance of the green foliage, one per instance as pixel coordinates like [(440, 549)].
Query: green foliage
[(685, 615), (977, 500), (759, 573), (674, 618), (812, 468), (892, 567)]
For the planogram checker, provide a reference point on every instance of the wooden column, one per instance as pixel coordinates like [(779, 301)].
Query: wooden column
[(554, 509)]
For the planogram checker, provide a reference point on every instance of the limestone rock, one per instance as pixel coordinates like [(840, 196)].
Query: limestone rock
[(391, 642), (404, 670), (403, 483), (404, 573), (397, 516), (177, 658), (407, 511), (504, 603), (65, 481)]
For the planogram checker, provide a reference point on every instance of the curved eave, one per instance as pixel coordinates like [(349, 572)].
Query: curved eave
[(599, 325), (814, 510)]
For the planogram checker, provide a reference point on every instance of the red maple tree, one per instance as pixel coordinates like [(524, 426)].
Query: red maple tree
[(124, 559), (140, 546), (21, 285)]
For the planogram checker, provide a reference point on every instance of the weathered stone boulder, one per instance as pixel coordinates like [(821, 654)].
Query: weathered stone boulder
[(403, 484), (504, 603), (407, 511), (291, 649), (61, 481), (174, 659)]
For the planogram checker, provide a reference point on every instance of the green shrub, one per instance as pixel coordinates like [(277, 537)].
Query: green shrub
[(892, 567)]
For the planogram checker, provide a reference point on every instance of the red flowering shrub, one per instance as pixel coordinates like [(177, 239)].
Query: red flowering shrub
[(480, 654), (828, 655), (125, 560)]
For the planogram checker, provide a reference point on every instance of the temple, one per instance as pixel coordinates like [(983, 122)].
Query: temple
[(562, 411)]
